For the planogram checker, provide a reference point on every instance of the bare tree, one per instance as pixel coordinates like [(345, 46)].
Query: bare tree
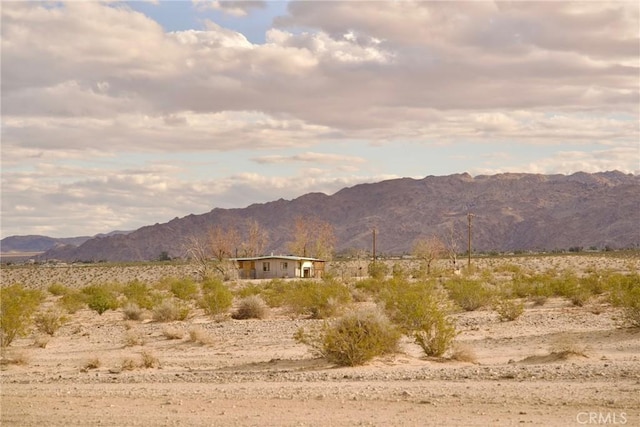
[(256, 239), (312, 238), (452, 243), (428, 249), (211, 251)]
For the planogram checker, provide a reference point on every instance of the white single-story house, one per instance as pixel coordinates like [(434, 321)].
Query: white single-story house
[(279, 266)]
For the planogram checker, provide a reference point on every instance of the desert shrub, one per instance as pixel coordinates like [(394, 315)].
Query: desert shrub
[(149, 360), (200, 336), (469, 294), (378, 270), (625, 293), (140, 294), (129, 364), (421, 312), (317, 299), (17, 306), (58, 289), (509, 309), (50, 321), (93, 363), (133, 338), (72, 301), (184, 289), (463, 353), (41, 341), (250, 289), (371, 285), (251, 307), (131, 311), (353, 339), (100, 298), (170, 310), (172, 333), (216, 298)]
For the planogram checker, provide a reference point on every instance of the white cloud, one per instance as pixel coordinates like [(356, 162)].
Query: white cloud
[(88, 87)]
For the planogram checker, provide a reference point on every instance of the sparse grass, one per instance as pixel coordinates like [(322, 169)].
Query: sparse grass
[(50, 321), (17, 306), (565, 344), (251, 307), (625, 293), (198, 335), (353, 339), (509, 309)]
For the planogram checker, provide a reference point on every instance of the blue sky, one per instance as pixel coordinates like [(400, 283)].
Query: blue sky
[(117, 115)]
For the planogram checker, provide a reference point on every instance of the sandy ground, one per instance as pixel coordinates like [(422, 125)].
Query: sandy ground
[(252, 372)]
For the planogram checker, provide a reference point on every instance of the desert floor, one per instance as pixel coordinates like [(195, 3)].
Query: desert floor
[(252, 372)]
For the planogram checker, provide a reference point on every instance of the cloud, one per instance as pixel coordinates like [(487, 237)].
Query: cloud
[(238, 8), (90, 88), (309, 157)]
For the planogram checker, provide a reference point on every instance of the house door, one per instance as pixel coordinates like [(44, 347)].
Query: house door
[(306, 272)]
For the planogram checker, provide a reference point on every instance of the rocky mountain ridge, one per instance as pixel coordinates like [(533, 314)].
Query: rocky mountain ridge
[(512, 211)]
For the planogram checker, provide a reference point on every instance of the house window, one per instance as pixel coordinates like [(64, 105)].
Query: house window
[(284, 265), (266, 266), (239, 264)]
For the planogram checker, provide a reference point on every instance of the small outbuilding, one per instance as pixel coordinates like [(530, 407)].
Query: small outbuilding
[(279, 266)]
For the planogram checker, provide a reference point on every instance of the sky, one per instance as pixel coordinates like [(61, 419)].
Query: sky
[(117, 115)]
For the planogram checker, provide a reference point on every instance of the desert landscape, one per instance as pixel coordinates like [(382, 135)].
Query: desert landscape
[(561, 361)]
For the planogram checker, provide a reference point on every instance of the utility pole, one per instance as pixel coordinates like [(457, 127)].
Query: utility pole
[(374, 244), (469, 216)]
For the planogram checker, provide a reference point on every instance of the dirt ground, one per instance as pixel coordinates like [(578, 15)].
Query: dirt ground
[(556, 365)]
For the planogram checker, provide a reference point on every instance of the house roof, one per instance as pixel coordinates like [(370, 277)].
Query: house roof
[(284, 257)]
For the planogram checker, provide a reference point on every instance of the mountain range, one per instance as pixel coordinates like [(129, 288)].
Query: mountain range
[(511, 212)]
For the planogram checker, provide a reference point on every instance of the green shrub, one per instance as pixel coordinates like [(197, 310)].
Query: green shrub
[(250, 289), (378, 270), (353, 339), (58, 289), (140, 294), (371, 285), (469, 294), (216, 299), (251, 307), (50, 321), (17, 306), (509, 309), (421, 312), (100, 298), (72, 301), (184, 289), (625, 293), (319, 300)]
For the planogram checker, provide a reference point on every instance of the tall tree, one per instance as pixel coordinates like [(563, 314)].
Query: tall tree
[(256, 239)]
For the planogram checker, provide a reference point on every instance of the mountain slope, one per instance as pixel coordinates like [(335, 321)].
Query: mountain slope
[(511, 212)]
